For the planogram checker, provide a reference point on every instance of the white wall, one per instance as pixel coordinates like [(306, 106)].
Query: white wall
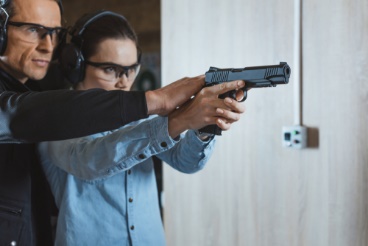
[(254, 191)]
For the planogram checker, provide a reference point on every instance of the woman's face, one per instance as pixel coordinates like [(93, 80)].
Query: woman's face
[(113, 67)]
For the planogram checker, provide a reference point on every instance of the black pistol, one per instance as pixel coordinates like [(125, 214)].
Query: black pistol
[(254, 77)]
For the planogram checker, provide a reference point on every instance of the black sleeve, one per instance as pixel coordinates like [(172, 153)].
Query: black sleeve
[(63, 114)]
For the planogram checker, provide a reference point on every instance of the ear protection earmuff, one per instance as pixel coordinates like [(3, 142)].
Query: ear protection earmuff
[(3, 25), (4, 16), (71, 58)]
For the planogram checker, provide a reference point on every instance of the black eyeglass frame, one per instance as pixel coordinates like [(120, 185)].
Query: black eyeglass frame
[(125, 69), (49, 30)]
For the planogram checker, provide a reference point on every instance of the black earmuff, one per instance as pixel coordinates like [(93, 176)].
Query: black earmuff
[(4, 16), (71, 58)]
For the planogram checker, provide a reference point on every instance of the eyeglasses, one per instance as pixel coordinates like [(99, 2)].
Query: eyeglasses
[(33, 33), (111, 72)]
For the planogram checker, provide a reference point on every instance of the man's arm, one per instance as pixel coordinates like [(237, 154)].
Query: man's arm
[(64, 114), (164, 100)]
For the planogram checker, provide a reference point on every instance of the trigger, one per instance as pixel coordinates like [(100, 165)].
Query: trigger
[(233, 95), (245, 96)]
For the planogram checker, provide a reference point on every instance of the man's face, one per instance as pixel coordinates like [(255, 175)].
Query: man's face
[(24, 59), (111, 56)]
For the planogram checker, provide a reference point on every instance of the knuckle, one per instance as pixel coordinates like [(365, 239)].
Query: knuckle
[(203, 91), (207, 120)]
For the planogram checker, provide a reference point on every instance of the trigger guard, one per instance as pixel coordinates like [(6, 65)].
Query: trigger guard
[(233, 96)]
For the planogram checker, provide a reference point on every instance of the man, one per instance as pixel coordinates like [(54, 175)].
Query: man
[(28, 36)]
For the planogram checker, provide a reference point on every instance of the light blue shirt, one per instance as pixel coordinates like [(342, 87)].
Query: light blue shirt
[(104, 197)]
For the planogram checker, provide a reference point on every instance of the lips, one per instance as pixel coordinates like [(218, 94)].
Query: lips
[(41, 62)]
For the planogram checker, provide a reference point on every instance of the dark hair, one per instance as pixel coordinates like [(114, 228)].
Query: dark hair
[(103, 28)]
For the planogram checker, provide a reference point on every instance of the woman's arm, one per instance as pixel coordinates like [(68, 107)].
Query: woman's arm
[(190, 154), (104, 154)]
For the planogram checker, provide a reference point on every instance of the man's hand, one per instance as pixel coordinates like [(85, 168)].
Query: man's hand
[(207, 109), (164, 100)]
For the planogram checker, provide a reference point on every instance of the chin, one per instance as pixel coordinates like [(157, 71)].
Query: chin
[(37, 76)]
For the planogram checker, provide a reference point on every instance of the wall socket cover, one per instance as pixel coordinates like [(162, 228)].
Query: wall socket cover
[(294, 137)]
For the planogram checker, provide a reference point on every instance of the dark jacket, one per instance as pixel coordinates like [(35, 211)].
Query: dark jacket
[(28, 117)]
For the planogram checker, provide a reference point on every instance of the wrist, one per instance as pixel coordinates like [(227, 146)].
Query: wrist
[(175, 125), (152, 103)]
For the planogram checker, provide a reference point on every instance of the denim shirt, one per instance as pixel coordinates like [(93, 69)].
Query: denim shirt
[(104, 196)]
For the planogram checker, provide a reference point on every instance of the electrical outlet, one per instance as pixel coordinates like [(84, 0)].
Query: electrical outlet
[(294, 137)]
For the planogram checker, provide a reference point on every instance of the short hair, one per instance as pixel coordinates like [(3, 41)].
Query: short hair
[(8, 6)]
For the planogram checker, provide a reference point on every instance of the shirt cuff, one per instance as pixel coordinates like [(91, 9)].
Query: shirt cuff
[(159, 134)]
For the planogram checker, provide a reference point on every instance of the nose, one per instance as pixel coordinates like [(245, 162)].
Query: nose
[(46, 43), (121, 81)]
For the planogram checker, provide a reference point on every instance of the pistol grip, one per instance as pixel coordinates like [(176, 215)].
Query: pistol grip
[(213, 129)]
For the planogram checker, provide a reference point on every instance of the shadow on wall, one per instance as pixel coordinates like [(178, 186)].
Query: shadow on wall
[(313, 137), (149, 77)]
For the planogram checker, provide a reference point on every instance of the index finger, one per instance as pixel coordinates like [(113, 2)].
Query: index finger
[(229, 86)]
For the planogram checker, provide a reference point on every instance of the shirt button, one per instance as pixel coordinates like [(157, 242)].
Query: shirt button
[(132, 227), (142, 156), (13, 243), (130, 199), (129, 171), (164, 144)]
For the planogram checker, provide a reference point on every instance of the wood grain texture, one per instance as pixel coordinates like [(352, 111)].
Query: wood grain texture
[(144, 16), (253, 191)]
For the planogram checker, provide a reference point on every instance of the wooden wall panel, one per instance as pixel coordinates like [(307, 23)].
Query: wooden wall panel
[(340, 47), (143, 15), (253, 191)]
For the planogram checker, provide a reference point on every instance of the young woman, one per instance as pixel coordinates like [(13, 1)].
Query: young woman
[(104, 184)]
